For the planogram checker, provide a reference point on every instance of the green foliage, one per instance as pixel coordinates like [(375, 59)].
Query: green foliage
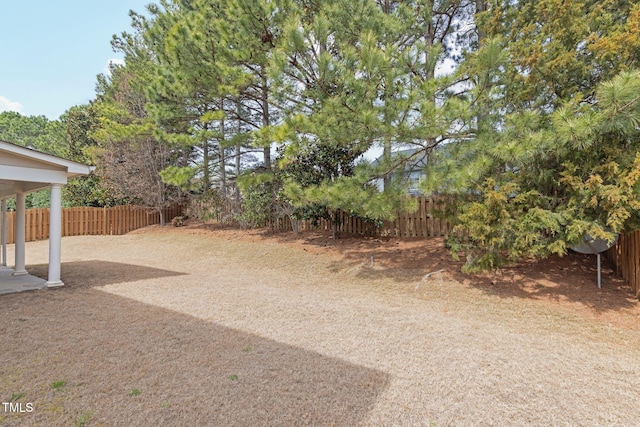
[(89, 191), (534, 132), (206, 206), (81, 122), (263, 199), (352, 85), (257, 208), (559, 50), (212, 78), (68, 138), (544, 186), (197, 85), (36, 132), (131, 150), (179, 176), (504, 225), (38, 199), (555, 154)]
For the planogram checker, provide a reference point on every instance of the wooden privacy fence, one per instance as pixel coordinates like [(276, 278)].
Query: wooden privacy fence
[(82, 221), (424, 222), (625, 257)]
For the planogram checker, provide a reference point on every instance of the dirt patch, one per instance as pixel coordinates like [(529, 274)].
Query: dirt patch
[(204, 326), (566, 283)]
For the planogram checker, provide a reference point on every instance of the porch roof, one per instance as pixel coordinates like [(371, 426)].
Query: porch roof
[(23, 169)]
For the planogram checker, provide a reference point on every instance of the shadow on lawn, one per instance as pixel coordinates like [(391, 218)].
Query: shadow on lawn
[(124, 362), (572, 278), (82, 274)]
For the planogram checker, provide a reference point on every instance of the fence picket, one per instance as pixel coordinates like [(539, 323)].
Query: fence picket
[(636, 265), (421, 223), (87, 221), (123, 219), (625, 257)]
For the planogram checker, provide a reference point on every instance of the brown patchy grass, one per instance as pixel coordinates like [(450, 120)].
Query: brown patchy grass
[(207, 326)]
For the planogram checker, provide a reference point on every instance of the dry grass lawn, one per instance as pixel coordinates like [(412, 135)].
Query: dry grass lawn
[(206, 327)]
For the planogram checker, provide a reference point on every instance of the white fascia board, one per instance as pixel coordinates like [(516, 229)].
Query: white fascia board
[(74, 168), (46, 176), (80, 171)]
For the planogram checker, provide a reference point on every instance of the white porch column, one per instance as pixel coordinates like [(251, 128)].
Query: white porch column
[(55, 236), (3, 232), (19, 268)]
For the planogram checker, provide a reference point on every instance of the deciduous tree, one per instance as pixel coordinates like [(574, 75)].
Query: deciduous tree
[(132, 152)]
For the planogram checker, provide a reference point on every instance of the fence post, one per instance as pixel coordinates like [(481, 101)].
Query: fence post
[(43, 230), (114, 220), (635, 261), (27, 221), (11, 227)]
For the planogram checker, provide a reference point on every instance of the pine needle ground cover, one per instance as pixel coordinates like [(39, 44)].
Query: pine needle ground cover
[(198, 326)]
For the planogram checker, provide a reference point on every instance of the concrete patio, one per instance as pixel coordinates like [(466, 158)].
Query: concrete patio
[(10, 284)]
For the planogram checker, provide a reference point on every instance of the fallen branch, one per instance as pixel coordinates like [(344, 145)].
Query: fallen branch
[(426, 276)]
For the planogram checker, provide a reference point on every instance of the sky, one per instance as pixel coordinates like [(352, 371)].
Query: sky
[(52, 51)]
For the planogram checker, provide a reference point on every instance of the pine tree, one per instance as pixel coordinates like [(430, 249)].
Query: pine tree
[(560, 49), (349, 86), (253, 29), (194, 80), (132, 152), (555, 158)]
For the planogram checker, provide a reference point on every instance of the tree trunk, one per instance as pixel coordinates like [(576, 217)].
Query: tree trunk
[(431, 62), (266, 119), (387, 142), (238, 150), (206, 178), (481, 6), (222, 164), (334, 223), (430, 71), (386, 156), (483, 114)]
